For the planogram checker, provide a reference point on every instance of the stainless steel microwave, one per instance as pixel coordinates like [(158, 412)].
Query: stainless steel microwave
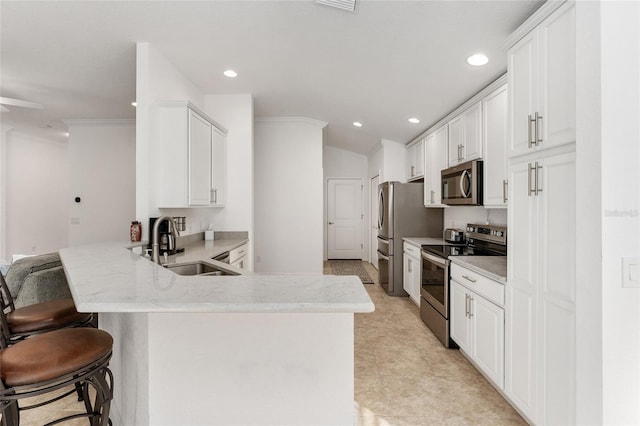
[(462, 184)]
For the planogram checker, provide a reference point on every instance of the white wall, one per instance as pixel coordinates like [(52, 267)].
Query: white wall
[(5, 131), (288, 195), (102, 172), (36, 182), (339, 163), (620, 32)]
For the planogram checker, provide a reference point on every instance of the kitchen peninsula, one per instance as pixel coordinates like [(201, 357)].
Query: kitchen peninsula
[(247, 349)]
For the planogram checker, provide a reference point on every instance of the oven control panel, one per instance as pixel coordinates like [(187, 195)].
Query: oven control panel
[(491, 233)]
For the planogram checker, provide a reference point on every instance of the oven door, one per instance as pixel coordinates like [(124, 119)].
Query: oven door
[(434, 283)]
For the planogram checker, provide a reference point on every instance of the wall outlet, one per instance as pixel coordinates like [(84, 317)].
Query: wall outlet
[(630, 272)]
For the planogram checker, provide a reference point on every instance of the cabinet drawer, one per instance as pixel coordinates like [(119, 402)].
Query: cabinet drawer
[(238, 253), (486, 287), (411, 250)]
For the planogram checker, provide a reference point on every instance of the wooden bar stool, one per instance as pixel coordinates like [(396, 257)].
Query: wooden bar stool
[(54, 360), (38, 318)]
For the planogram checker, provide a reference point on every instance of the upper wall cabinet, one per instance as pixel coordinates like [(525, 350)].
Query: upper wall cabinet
[(542, 85), (465, 135), (190, 157), (494, 125), (435, 159), (415, 161)]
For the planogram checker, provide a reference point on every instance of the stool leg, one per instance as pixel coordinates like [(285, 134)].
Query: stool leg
[(11, 414), (104, 395)]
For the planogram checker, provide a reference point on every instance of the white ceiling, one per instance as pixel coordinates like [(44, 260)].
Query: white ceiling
[(388, 61)]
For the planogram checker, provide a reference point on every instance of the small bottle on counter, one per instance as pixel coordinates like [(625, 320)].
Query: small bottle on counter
[(135, 231)]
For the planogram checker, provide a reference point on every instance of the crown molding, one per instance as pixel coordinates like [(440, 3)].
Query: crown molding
[(532, 22), (99, 122), (291, 120), (499, 82)]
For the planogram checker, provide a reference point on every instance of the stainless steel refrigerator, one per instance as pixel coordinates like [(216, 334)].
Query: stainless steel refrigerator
[(401, 214)]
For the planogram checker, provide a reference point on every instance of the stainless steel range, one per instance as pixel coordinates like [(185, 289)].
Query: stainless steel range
[(481, 240)]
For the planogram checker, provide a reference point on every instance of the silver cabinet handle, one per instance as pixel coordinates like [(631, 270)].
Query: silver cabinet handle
[(538, 133), (413, 171), (530, 120), (469, 278), (410, 270), (433, 196), (504, 190), (331, 223), (530, 168), (470, 306), (538, 168), (466, 305)]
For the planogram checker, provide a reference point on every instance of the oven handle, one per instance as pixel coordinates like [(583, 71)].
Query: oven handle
[(435, 259)]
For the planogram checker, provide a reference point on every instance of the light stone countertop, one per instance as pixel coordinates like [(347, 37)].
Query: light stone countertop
[(108, 277), (420, 241), (494, 267)]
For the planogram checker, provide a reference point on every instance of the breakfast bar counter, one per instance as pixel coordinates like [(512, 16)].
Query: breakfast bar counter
[(247, 349)]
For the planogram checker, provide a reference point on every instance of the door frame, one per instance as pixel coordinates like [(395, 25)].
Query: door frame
[(326, 215)]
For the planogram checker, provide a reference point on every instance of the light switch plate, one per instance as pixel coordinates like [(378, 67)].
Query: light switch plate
[(630, 272)]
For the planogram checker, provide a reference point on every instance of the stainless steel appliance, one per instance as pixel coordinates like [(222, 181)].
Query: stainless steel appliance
[(401, 214), (454, 235), (482, 240), (462, 184)]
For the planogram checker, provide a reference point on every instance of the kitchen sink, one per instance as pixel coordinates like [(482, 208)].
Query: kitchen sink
[(196, 268)]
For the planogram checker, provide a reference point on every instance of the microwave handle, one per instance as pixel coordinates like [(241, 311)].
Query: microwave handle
[(466, 176)]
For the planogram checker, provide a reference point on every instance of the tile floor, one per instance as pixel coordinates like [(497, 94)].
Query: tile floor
[(403, 375)]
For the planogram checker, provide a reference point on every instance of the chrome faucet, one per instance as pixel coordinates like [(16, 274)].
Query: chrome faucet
[(155, 247)]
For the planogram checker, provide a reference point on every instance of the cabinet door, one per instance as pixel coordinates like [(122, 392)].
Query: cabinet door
[(199, 160), (435, 148), (419, 158), (411, 162), (406, 279), (557, 289), (487, 321), (219, 168), (557, 78), (472, 142), (414, 268), (460, 328), (522, 81), (456, 140), (494, 113), (521, 289)]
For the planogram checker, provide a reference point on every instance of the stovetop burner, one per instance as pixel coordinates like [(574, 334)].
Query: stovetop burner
[(482, 240), (447, 250)]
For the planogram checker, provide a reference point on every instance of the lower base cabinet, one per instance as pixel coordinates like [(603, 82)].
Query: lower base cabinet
[(477, 323), (411, 272)]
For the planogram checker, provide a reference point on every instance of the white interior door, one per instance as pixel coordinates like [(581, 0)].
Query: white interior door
[(344, 214), (373, 220)]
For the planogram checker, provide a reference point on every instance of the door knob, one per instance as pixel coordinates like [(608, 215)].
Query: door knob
[(330, 223)]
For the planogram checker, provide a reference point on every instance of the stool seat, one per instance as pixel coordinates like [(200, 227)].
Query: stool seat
[(45, 316), (47, 356)]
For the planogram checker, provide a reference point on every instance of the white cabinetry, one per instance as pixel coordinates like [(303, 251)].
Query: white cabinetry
[(435, 159), (189, 157), (238, 256), (477, 321), (540, 340), (542, 86), (465, 135), (415, 161), (411, 272), (494, 125)]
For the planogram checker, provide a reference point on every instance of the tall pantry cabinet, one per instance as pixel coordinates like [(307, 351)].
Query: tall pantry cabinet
[(540, 336)]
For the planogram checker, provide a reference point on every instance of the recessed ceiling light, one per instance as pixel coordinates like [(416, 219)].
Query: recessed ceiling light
[(357, 124), (230, 73), (414, 120), (477, 60), (135, 104)]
